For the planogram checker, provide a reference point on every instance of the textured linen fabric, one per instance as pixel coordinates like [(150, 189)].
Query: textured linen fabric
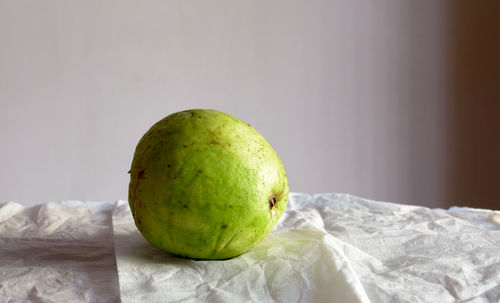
[(329, 248)]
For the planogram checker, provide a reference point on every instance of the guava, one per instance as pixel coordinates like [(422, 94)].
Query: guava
[(206, 185)]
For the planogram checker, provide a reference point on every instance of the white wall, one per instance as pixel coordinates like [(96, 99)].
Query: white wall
[(349, 93)]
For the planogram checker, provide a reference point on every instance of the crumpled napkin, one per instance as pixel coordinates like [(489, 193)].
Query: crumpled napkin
[(326, 247), (57, 252), (329, 248), (291, 266)]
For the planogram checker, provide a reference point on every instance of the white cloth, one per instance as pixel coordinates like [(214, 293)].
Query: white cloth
[(326, 248), (57, 252), (329, 248)]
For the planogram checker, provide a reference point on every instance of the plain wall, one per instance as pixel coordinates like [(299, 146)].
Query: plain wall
[(351, 94)]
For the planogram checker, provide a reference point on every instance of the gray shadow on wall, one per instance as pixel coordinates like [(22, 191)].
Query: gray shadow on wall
[(473, 170)]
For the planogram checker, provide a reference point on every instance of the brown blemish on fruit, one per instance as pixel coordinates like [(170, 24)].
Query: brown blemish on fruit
[(224, 226), (192, 114), (168, 165), (185, 146), (185, 206), (272, 201), (279, 195), (140, 174), (174, 176)]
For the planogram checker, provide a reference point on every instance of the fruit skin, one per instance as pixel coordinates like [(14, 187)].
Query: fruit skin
[(205, 185)]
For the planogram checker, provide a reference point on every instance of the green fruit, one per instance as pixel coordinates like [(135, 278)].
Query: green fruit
[(205, 185)]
